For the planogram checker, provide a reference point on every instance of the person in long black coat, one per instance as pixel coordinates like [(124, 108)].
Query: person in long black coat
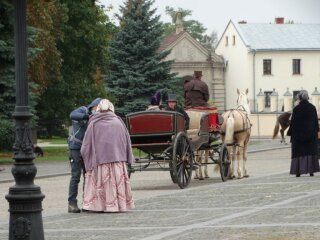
[(303, 130)]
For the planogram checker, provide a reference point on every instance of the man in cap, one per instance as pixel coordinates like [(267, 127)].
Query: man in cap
[(196, 92), (172, 106), (79, 118)]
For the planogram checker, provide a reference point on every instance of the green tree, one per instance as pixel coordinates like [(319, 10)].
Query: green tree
[(7, 74), (47, 17), (193, 27), (137, 68), (7, 80), (84, 51)]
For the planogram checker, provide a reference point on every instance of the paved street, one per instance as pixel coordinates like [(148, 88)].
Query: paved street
[(270, 204)]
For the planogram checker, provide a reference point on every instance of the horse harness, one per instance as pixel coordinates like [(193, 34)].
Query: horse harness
[(245, 119)]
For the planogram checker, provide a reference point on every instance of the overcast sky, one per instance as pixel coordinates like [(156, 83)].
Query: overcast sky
[(215, 14)]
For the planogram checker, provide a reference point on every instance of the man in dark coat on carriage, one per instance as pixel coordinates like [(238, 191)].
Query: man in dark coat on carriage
[(196, 92), (172, 106), (303, 130)]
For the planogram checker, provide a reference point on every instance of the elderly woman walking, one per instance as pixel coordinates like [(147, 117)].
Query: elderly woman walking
[(303, 130), (106, 149)]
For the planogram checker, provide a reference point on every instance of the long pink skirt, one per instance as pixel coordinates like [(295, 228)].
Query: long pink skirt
[(107, 189)]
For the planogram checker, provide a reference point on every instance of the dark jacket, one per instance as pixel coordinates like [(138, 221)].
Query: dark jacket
[(196, 94), (183, 112), (79, 118), (303, 130)]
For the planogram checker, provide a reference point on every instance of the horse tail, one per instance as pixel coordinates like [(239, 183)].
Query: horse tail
[(276, 129), (229, 130)]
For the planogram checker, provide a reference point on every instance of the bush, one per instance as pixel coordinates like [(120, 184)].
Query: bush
[(6, 134)]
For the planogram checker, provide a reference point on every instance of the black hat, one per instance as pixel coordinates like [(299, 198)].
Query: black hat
[(156, 98), (197, 74), (172, 98)]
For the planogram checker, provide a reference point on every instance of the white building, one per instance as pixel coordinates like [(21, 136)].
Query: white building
[(270, 56)]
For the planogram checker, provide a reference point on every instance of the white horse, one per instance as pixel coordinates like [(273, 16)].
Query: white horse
[(237, 128), (202, 157)]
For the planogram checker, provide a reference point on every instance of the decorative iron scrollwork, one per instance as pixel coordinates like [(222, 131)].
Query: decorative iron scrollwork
[(21, 228), (23, 140)]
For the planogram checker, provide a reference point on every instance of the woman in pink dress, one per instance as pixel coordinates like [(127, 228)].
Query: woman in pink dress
[(106, 149)]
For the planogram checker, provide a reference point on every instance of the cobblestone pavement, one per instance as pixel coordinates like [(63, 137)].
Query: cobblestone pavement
[(270, 204)]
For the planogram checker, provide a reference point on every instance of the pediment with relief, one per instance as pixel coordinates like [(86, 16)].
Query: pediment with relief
[(186, 50)]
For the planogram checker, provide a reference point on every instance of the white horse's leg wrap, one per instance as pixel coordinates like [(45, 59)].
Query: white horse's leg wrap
[(240, 162)]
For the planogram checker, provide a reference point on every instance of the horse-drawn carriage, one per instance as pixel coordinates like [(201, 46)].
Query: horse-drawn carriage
[(166, 145)]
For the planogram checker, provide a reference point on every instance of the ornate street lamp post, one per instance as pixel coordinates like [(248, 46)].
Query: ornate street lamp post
[(25, 198)]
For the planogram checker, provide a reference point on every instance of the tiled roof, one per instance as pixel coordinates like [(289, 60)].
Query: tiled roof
[(263, 36), (168, 40)]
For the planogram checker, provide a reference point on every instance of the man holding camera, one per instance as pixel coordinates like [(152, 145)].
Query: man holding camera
[(79, 118)]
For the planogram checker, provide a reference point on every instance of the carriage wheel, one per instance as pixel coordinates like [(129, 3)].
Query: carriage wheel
[(173, 178), (182, 160), (223, 162)]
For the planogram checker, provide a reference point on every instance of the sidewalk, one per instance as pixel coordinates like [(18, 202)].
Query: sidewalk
[(269, 205)]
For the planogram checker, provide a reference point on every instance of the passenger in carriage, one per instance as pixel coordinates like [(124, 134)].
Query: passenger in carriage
[(155, 102), (196, 92), (172, 106), (304, 128)]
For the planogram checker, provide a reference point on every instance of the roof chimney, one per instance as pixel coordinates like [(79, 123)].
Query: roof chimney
[(242, 22), (279, 20)]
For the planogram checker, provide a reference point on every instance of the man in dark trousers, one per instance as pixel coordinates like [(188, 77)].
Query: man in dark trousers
[(172, 106), (196, 92), (79, 117)]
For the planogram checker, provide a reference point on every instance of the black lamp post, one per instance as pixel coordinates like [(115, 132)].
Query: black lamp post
[(25, 198)]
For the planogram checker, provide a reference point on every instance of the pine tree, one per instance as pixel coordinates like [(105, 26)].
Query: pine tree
[(7, 80), (137, 69)]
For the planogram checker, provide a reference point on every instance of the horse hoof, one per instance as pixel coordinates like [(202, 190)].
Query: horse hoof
[(240, 177), (206, 177), (201, 178), (196, 177), (231, 177), (246, 176)]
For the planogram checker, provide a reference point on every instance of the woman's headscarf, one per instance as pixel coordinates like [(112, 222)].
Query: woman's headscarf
[(303, 95), (105, 105)]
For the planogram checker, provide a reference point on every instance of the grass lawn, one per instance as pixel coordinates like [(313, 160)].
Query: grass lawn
[(50, 154), (54, 140), (61, 153)]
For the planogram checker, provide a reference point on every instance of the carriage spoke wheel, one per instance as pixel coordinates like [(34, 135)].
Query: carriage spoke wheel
[(173, 178), (223, 162), (182, 160)]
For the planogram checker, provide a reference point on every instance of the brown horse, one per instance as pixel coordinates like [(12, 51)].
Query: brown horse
[(283, 120), (236, 130)]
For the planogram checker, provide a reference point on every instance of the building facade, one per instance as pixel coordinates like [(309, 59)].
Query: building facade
[(270, 60), (189, 56)]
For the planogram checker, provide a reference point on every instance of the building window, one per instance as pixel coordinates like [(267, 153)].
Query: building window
[(267, 99), (266, 66), (296, 63), (226, 40), (233, 40)]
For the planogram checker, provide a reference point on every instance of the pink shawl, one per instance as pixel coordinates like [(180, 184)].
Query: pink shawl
[(106, 140)]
